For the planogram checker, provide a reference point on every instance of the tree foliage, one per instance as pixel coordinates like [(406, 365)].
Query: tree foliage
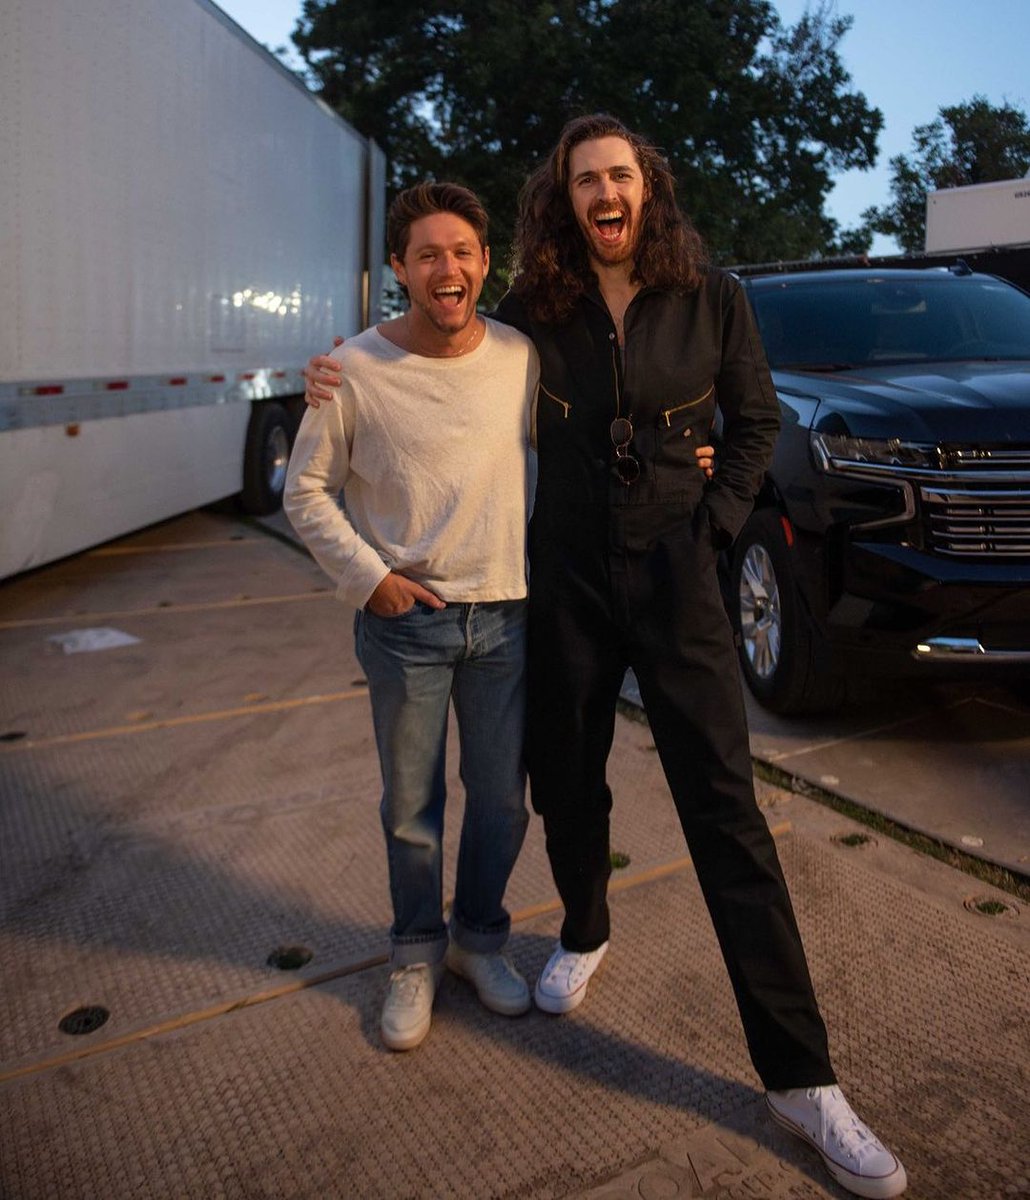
[(965, 144), (754, 117)]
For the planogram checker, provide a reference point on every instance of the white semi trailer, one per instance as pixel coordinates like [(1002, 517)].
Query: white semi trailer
[(982, 216), (181, 224)]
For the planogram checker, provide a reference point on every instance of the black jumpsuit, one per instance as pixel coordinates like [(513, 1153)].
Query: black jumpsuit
[(625, 576)]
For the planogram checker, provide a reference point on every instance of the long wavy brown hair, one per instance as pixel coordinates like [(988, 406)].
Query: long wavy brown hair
[(550, 266)]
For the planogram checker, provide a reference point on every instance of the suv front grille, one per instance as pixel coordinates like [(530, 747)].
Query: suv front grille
[(993, 521), (986, 460)]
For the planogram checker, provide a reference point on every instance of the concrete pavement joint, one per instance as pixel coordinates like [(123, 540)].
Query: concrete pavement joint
[(211, 1012), (249, 710), (269, 530), (780, 755), (164, 610), (987, 703), (169, 547), (183, 1020), (1016, 884)]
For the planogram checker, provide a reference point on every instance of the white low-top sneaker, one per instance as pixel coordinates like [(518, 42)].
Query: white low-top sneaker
[(408, 1007), (499, 986), (853, 1155), (563, 982)]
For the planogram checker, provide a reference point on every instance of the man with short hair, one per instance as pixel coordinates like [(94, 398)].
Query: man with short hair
[(428, 439)]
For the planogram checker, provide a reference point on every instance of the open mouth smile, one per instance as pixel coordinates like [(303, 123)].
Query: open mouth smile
[(609, 224), (450, 295)]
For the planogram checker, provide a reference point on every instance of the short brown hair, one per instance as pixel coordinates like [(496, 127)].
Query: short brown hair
[(423, 200)]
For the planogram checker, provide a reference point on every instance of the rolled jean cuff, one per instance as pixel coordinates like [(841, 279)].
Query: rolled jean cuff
[(480, 941), (428, 948)]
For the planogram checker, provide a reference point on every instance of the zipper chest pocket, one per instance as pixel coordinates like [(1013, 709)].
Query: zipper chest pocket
[(566, 407), (669, 413)]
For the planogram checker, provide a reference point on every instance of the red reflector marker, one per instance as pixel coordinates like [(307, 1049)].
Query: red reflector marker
[(216, 379), (52, 389), (788, 530), (117, 385), (248, 375), (178, 381)]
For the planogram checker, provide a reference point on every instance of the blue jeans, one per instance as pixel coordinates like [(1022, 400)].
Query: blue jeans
[(416, 663)]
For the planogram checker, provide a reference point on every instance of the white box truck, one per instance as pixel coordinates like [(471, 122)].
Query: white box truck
[(982, 216), (182, 223)]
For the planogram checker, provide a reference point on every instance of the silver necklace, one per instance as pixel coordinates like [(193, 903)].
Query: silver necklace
[(462, 349)]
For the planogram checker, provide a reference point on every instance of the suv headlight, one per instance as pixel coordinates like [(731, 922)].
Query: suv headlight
[(839, 452), (885, 461)]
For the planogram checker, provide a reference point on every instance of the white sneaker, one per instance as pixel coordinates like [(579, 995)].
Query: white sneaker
[(563, 982), (499, 986), (857, 1159), (408, 1007)]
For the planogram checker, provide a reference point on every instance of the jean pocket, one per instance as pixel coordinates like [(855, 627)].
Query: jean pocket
[(415, 608)]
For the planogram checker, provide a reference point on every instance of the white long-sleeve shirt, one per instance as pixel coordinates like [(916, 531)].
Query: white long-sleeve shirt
[(431, 455)]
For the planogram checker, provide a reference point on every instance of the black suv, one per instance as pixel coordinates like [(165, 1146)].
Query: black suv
[(892, 534)]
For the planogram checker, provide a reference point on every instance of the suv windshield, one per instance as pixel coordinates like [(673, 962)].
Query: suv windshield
[(836, 324)]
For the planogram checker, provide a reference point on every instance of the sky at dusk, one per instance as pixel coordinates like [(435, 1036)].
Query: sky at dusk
[(909, 57)]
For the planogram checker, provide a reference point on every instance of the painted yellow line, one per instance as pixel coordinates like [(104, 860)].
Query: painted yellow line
[(171, 547), (186, 1019), (164, 610), (617, 884), (299, 985), (622, 883), (224, 714)]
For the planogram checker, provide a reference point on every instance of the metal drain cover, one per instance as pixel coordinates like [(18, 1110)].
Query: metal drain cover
[(83, 1020), (290, 958)]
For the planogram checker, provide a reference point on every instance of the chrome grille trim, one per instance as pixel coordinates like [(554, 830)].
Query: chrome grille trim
[(978, 521), (999, 459)]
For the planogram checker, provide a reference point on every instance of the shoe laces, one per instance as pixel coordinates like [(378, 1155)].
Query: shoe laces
[(571, 965), (406, 983), (843, 1125)]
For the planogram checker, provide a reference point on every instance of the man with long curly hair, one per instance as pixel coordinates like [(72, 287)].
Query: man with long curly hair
[(640, 344)]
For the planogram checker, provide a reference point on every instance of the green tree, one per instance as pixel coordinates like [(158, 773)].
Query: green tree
[(755, 118), (965, 144)]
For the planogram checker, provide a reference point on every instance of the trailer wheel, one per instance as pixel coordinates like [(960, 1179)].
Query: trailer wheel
[(266, 456)]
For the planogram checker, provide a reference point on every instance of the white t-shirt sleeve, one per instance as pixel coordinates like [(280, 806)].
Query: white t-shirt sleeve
[(319, 468)]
